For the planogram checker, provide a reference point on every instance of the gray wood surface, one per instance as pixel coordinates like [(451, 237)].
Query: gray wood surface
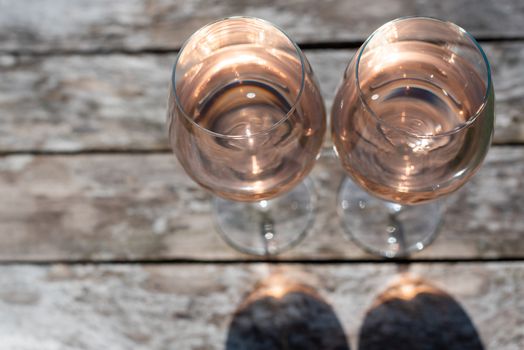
[(92, 75), (96, 207), (47, 25), (192, 307), (118, 102)]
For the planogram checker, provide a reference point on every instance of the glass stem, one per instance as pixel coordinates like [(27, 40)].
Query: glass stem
[(396, 231), (267, 231)]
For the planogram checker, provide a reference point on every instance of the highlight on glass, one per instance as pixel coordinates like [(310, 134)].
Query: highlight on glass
[(411, 122), (246, 122)]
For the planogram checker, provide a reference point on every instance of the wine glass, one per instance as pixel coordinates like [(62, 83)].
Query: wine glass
[(246, 122), (411, 122)]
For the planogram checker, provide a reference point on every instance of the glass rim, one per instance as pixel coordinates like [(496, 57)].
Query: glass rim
[(258, 133), (472, 118)]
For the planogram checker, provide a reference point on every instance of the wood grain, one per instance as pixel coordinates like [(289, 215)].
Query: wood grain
[(105, 207), (90, 25), (117, 102), (92, 75), (191, 307)]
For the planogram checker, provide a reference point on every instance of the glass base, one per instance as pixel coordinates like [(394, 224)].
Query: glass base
[(385, 228), (268, 227)]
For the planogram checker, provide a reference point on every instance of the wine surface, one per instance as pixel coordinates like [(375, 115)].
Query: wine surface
[(258, 128), (411, 135)]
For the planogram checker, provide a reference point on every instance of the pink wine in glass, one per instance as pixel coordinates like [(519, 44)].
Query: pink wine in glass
[(411, 122), (246, 121), (251, 141), (413, 137)]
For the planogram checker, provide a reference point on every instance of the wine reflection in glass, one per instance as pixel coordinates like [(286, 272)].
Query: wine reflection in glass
[(411, 122), (246, 121)]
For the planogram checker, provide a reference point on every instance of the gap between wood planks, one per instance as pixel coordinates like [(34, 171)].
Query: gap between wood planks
[(321, 45), (274, 261), (145, 151)]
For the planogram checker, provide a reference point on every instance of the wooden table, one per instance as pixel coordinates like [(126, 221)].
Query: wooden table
[(106, 244)]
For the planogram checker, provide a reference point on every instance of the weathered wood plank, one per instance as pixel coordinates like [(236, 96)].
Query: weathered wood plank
[(75, 103), (190, 307), (144, 207), (144, 24)]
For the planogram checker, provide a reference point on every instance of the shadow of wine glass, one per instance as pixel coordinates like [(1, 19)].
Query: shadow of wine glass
[(414, 315), (279, 315)]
